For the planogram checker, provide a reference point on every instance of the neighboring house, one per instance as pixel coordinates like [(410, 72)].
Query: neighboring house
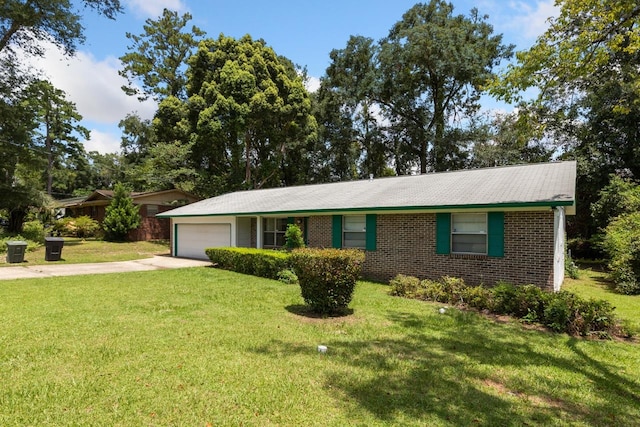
[(483, 225), (151, 203)]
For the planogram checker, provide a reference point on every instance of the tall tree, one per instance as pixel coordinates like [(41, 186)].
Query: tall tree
[(157, 58), (24, 27), (434, 66), (248, 111), (336, 152), (59, 129), (508, 140), (580, 40), (26, 23), (586, 70), (352, 77), (423, 82)]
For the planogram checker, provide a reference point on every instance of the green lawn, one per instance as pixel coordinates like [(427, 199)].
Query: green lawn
[(77, 251), (202, 346), (593, 283)]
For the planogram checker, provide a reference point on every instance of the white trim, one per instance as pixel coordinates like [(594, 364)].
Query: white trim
[(259, 232), (558, 247)]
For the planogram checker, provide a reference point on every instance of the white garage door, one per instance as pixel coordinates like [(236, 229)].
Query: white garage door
[(193, 239)]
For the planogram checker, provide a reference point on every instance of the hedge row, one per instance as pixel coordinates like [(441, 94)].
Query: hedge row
[(561, 311), (327, 277), (256, 262)]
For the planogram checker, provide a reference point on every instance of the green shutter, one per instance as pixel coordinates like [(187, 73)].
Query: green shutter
[(175, 239), (291, 220), (495, 234), (443, 233), (371, 224), (336, 231)]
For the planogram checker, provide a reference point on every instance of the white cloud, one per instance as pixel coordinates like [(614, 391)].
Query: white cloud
[(153, 8), (312, 84), (93, 85), (530, 21), (102, 142)]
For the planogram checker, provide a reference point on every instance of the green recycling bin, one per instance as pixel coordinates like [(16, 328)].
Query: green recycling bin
[(53, 248), (16, 250)]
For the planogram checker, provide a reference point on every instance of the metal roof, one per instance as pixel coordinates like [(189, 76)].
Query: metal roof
[(521, 187)]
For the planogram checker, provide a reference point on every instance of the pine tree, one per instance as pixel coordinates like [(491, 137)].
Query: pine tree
[(121, 215)]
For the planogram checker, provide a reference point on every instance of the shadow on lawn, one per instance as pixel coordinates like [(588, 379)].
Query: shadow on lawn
[(456, 376)]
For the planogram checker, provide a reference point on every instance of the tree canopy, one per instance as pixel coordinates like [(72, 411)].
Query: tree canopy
[(157, 58), (423, 80)]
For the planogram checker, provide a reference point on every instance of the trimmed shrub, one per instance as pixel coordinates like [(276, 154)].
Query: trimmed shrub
[(293, 238), (404, 286), (256, 262), (477, 297), (327, 277), (288, 276), (529, 303), (503, 301), (567, 312), (560, 312)]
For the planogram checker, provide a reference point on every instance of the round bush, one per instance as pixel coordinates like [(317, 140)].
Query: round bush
[(327, 277)]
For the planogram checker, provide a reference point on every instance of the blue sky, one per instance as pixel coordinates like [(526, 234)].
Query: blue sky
[(303, 31)]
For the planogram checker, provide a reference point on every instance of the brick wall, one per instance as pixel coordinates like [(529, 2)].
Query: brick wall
[(406, 244), (151, 228), (319, 233)]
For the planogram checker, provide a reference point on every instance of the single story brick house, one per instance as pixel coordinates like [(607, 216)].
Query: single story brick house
[(151, 203), (483, 225)]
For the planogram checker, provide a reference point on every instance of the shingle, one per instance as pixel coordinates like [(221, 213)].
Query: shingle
[(532, 184)]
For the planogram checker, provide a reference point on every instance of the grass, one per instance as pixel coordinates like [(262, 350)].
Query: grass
[(204, 347), (80, 251), (594, 283)]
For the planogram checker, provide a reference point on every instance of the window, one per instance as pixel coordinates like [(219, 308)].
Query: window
[(273, 232), (469, 233), (152, 210), (354, 231)]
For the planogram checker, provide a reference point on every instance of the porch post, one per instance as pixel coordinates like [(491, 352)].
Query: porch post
[(259, 232)]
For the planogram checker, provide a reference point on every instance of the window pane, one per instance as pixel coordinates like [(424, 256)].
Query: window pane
[(268, 239), (279, 239), (469, 243), (268, 224), (354, 223), (469, 223), (282, 224), (354, 240)]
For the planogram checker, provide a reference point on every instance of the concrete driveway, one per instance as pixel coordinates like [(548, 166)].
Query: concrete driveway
[(53, 270)]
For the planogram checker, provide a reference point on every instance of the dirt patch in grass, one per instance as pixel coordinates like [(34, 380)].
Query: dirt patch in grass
[(540, 401)]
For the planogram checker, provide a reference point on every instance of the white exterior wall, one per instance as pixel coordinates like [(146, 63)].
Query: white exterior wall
[(559, 245)]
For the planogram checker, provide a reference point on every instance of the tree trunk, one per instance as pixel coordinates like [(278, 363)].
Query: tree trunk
[(247, 158), (16, 219)]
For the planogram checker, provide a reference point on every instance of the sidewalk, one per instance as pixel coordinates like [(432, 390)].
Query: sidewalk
[(55, 270)]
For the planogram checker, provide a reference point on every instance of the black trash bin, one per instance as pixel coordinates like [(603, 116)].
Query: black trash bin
[(53, 248), (16, 250)]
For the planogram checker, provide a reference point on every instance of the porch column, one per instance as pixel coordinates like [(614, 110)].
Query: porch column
[(558, 247), (259, 232)]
